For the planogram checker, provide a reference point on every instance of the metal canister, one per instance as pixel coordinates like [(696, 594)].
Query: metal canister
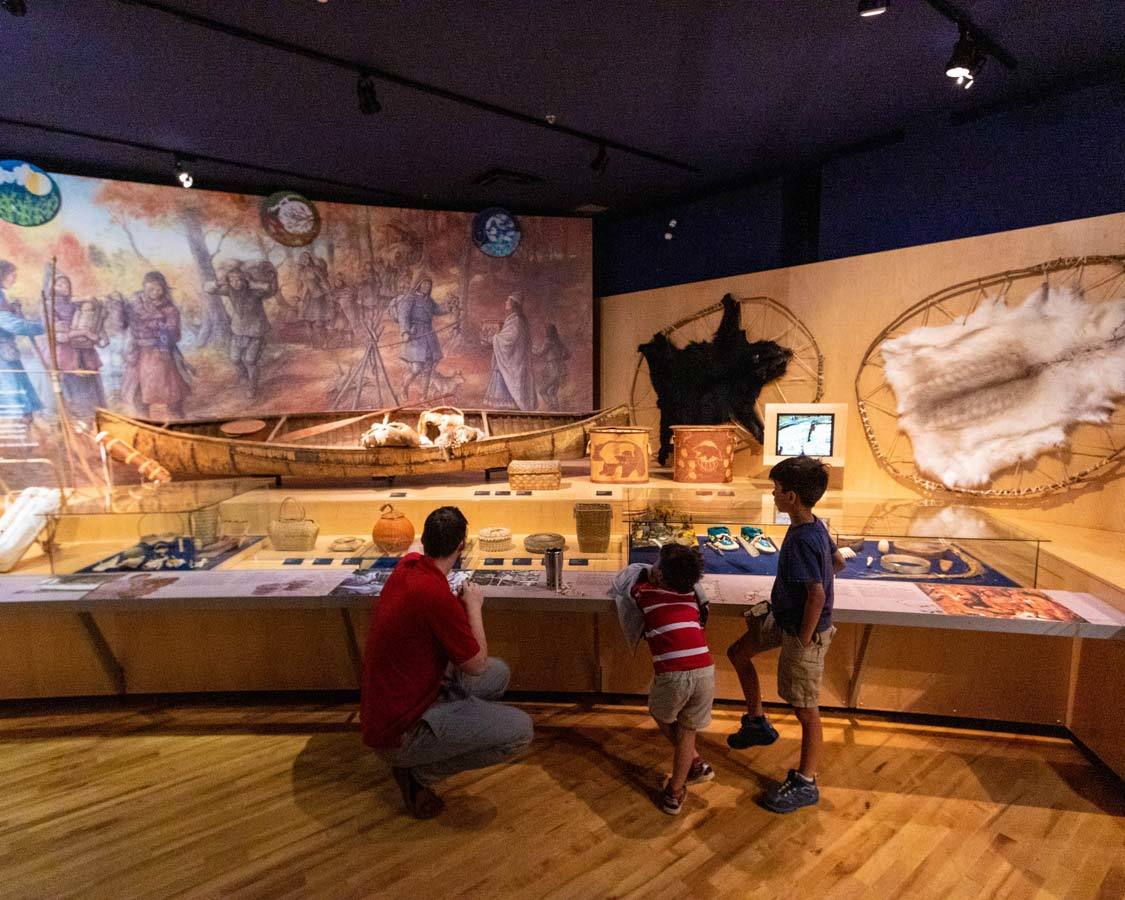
[(553, 563)]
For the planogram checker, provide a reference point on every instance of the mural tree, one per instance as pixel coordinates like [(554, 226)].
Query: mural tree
[(205, 219)]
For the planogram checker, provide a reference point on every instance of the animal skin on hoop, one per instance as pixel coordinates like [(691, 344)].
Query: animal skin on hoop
[(1004, 384), (712, 382)]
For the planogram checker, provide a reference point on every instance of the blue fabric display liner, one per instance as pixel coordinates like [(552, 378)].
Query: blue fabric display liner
[(739, 562), (190, 554)]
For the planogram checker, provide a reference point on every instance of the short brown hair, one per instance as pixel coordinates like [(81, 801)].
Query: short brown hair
[(680, 567), (444, 529), (805, 476)]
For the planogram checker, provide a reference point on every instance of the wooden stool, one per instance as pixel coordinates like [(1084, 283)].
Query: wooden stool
[(244, 429)]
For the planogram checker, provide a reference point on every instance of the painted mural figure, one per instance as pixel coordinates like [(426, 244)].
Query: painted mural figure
[(344, 323), (155, 371), (512, 383), (554, 355), (116, 350), (369, 296), (421, 350), (312, 292), (246, 292), (17, 394), (76, 336)]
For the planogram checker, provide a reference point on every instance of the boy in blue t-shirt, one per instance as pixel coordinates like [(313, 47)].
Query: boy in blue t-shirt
[(798, 619)]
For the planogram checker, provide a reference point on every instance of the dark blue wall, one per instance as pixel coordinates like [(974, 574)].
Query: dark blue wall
[(725, 234), (1058, 159)]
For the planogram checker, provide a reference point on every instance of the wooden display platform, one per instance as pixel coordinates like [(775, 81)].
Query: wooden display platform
[(895, 650)]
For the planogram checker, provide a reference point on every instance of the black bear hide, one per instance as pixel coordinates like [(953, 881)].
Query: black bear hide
[(712, 382)]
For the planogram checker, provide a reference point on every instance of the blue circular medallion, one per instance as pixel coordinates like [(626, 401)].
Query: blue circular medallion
[(496, 232), (28, 195)]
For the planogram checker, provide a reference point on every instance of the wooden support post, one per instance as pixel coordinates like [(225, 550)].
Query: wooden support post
[(861, 657), (102, 650), (354, 653)]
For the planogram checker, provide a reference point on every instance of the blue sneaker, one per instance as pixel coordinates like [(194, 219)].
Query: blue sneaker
[(755, 731), (793, 793)]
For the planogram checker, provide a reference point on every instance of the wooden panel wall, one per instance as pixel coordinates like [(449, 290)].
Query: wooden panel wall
[(845, 303)]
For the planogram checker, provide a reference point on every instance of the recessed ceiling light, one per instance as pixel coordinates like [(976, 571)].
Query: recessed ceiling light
[(183, 174), (869, 8), (967, 59)]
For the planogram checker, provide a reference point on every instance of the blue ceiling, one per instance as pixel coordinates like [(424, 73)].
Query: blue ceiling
[(734, 90)]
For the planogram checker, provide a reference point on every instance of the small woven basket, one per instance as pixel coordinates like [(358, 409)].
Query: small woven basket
[(544, 541), (291, 530), (535, 474), (494, 540), (593, 521)]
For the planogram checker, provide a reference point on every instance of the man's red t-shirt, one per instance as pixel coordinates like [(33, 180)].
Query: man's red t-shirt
[(417, 628)]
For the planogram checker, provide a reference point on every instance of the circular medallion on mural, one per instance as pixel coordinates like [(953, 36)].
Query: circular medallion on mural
[(28, 195), (290, 219), (496, 232)]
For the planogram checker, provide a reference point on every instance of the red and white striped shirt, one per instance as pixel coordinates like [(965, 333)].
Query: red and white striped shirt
[(672, 629)]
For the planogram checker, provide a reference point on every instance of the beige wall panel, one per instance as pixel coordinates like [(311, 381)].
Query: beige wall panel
[(1098, 718), (545, 651), (845, 303), (226, 651), (47, 655), (1015, 677)]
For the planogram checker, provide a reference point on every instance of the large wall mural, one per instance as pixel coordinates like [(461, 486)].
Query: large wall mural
[(175, 303)]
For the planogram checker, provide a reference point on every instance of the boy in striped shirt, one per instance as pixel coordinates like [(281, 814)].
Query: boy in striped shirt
[(664, 604)]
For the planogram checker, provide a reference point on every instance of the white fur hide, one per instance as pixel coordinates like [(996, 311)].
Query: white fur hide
[(390, 434), (22, 521), (1004, 384)]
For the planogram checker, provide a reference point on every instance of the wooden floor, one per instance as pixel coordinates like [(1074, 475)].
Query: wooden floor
[(280, 799)]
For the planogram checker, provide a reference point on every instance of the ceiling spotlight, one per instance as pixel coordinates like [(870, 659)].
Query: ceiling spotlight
[(183, 176), (671, 223), (967, 59), (551, 118), (667, 235), (869, 8), (599, 162), (365, 90), (15, 7)]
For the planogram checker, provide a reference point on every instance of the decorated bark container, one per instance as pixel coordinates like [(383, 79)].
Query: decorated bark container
[(619, 455), (703, 453)]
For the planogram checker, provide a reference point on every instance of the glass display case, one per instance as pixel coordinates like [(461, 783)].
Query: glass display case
[(251, 524), (179, 525), (739, 532)]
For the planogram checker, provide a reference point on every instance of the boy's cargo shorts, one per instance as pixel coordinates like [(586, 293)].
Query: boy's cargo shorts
[(799, 669), (683, 697)]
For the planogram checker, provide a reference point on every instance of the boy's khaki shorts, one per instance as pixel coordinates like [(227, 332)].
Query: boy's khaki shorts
[(683, 697), (799, 669)]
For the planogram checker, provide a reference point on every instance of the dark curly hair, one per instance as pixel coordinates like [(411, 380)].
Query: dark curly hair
[(680, 567)]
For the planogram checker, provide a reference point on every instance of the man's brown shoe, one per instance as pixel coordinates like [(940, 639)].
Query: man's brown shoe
[(419, 800)]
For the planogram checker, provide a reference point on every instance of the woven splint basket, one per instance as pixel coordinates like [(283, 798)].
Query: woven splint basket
[(593, 521), (535, 474)]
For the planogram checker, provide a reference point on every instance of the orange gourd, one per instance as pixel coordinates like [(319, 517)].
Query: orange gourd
[(393, 532)]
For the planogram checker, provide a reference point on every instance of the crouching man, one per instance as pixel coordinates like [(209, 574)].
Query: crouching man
[(429, 692)]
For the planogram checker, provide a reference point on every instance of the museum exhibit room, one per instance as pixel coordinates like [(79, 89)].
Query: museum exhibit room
[(562, 449)]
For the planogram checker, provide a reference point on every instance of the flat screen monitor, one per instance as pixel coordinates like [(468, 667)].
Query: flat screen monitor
[(805, 434), (805, 429)]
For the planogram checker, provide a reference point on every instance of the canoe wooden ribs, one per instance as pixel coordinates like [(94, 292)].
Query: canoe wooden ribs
[(200, 450)]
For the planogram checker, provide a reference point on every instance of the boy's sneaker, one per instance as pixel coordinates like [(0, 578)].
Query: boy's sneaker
[(699, 772), (793, 793), (672, 802), (754, 731)]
